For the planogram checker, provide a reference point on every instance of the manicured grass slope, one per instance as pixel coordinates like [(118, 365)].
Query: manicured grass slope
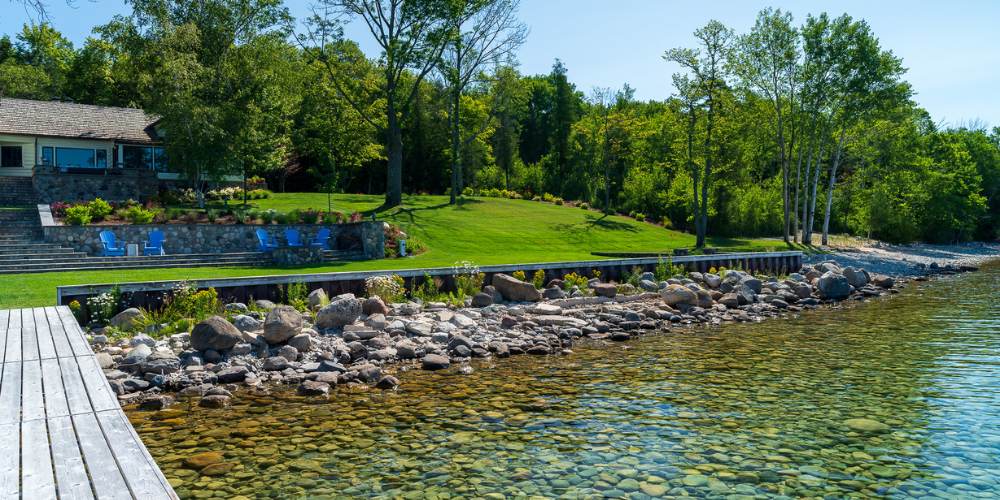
[(481, 230)]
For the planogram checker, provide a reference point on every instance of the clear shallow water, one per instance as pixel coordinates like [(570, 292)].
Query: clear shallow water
[(754, 410)]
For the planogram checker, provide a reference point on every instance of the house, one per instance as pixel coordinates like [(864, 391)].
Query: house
[(78, 151)]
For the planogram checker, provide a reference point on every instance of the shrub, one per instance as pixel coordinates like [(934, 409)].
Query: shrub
[(468, 279), (186, 302), (519, 275), (104, 306), (640, 217), (572, 279), (667, 223), (58, 208), (99, 209), (558, 201), (296, 295), (77, 309), (356, 217), (138, 215), (78, 215), (584, 205), (427, 291), (538, 279), (665, 269), (390, 288)]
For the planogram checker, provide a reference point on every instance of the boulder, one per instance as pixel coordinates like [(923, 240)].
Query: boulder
[(266, 305), (374, 305), (677, 294), (104, 360), (515, 290), (343, 310), (317, 298), (232, 374), (649, 285), (712, 280), (142, 338), (214, 401), (161, 362), (282, 323), (435, 362), (313, 388), (482, 299), (236, 307), (215, 333), (246, 323), (497, 297), (302, 342), (387, 382), (856, 277), (553, 293), (833, 286), (605, 290), (275, 364), (883, 281), (288, 352), (128, 319), (137, 355)]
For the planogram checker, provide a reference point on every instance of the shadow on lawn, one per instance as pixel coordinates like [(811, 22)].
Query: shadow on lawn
[(594, 222)]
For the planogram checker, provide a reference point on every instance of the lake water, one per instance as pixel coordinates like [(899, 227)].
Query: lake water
[(897, 397)]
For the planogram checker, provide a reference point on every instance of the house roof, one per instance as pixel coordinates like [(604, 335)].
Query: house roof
[(78, 121)]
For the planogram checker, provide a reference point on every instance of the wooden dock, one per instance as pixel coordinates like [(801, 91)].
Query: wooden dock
[(62, 432)]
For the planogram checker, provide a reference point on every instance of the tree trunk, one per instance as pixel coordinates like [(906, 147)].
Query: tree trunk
[(696, 217), (784, 170), (456, 161), (798, 185), (815, 186), (703, 232), (394, 171), (833, 179)]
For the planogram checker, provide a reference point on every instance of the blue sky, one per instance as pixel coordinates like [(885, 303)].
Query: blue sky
[(952, 49)]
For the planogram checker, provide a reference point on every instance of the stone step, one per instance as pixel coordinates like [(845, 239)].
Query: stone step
[(22, 249), (176, 261)]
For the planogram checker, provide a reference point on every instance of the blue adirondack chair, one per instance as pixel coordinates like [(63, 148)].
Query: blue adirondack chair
[(154, 245), (264, 241), (294, 238), (111, 246), (322, 239)]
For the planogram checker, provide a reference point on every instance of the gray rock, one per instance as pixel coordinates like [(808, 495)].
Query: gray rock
[(142, 338), (246, 323), (369, 373), (712, 280), (282, 323), (288, 352), (242, 349), (419, 328), (303, 342), (374, 305), (137, 355), (649, 285), (515, 290), (330, 366), (237, 307), (313, 388), (435, 362), (387, 383), (128, 319), (214, 401), (275, 364), (753, 284), (678, 294), (857, 278), (553, 293), (482, 299), (232, 374), (317, 298), (833, 286), (408, 350), (104, 360), (492, 291), (266, 305), (605, 289), (215, 333), (343, 310), (161, 362)]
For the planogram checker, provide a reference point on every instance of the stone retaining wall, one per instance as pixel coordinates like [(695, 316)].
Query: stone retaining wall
[(365, 238), (51, 185)]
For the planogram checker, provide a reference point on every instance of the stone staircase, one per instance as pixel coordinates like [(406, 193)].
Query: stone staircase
[(17, 192), (22, 250)]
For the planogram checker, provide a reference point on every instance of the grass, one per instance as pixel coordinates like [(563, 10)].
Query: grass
[(481, 230)]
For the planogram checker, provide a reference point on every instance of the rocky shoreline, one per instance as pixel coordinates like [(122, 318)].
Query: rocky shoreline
[(350, 341)]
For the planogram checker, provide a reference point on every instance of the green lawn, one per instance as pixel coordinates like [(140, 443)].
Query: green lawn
[(481, 230)]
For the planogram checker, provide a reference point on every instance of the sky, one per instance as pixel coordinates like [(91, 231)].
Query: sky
[(951, 48)]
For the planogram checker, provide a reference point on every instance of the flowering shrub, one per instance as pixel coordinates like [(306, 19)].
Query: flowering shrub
[(389, 287), (58, 208), (538, 279), (468, 279), (99, 209), (356, 217), (102, 307), (519, 275), (572, 279), (138, 215)]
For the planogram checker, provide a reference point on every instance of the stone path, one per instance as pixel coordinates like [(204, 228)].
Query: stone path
[(62, 432)]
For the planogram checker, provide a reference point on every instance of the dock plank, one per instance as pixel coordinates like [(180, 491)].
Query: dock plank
[(97, 385), (10, 466), (13, 346), (37, 479), (135, 462), (104, 474), (58, 329), (73, 332), (32, 397), (55, 393), (4, 317), (76, 392), (72, 481), (46, 346), (29, 337), (10, 393)]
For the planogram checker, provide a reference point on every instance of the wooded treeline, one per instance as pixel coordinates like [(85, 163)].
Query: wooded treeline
[(796, 128)]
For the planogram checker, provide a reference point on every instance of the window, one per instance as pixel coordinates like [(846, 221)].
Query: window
[(146, 157), (10, 157), (76, 158), (48, 157), (102, 158)]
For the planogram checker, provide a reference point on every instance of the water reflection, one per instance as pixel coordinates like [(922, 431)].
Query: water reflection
[(895, 397)]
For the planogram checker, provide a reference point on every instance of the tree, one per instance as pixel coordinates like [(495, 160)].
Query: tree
[(766, 60), (510, 99), (708, 66), (412, 34), (481, 33)]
